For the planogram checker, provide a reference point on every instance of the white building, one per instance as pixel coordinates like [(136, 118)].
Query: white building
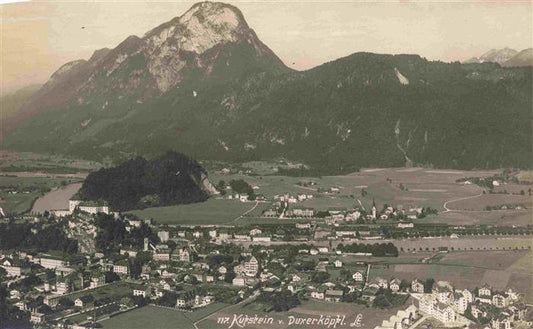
[(121, 269), (395, 285), (88, 207), (239, 281), (163, 236), (485, 291), (358, 276), (440, 311), (317, 295), (251, 267), (51, 262), (417, 286)]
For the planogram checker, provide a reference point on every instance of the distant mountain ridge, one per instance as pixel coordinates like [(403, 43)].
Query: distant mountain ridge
[(523, 58), (11, 103), (506, 57), (205, 85), (499, 56)]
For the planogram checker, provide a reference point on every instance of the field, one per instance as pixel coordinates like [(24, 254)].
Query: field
[(159, 318), (149, 317), (112, 290), (497, 218), (500, 269), (409, 187), (17, 194), (211, 212)]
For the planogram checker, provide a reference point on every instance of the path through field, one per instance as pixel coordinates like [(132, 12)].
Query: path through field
[(445, 205), (247, 212)]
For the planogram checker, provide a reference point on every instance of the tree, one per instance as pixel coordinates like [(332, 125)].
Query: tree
[(241, 187), (320, 277), (428, 285), (221, 186), (279, 301), (111, 277), (229, 276), (404, 285)]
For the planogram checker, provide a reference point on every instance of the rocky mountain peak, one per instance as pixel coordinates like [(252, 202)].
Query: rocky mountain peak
[(202, 27), (210, 40), (205, 26)]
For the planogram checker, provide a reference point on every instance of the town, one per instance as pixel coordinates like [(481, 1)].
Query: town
[(384, 250), (111, 263)]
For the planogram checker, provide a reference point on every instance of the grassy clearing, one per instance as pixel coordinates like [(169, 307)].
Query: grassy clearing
[(17, 203), (211, 212), (268, 185), (149, 317)]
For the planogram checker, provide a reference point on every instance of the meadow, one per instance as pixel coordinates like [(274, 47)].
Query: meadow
[(149, 317), (211, 212), (500, 269), (114, 290), (408, 187), (159, 318)]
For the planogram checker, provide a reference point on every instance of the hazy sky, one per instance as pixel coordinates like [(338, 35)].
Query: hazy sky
[(38, 37)]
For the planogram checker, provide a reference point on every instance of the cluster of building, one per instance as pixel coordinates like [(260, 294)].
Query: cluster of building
[(90, 207), (460, 307)]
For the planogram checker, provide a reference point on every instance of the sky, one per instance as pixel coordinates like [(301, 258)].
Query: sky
[(38, 37)]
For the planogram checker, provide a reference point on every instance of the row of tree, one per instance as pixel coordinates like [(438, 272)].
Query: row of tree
[(376, 249)]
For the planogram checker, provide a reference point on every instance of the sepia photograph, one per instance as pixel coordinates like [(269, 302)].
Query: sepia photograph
[(305, 164)]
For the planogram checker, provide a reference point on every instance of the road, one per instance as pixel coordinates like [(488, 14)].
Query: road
[(367, 275)]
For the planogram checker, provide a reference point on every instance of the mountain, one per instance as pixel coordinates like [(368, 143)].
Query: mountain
[(203, 84), (11, 103), (523, 58), (495, 56), (210, 41), (170, 179)]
